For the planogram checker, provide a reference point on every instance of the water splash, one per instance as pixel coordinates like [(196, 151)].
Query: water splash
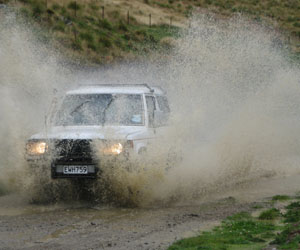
[(29, 72), (234, 100)]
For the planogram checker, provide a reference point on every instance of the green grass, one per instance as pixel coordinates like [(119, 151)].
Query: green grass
[(281, 198), (60, 19), (269, 214), (243, 231), (257, 206), (294, 205), (283, 14), (293, 213), (82, 31), (289, 238), (3, 189), (240, 231)]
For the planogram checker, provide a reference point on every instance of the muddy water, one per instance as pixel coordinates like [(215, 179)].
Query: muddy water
[(232, 89), (90, 226)]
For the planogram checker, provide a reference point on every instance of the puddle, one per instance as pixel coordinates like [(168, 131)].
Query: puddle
[(56, 234)]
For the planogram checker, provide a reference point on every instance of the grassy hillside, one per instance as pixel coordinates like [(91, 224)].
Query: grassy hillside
[(103, 31)]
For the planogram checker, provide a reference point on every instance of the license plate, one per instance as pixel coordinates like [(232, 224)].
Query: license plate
[(75, 170)]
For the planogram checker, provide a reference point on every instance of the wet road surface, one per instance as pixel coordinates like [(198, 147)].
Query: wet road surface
[(86, 226)]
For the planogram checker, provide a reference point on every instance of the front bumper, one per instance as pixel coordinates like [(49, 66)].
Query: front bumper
[(67, 153), (73, 153), (55, 168)]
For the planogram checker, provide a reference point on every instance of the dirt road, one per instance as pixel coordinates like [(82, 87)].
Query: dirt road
[(85, 226)]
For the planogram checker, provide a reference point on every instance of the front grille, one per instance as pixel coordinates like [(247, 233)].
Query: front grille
[(68, 152), (73, 150)]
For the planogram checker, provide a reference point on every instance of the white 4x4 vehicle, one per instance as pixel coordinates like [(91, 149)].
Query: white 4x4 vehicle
[(98, 121)]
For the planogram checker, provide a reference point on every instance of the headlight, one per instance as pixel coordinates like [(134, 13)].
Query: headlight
[(114, 149), (36, 147)]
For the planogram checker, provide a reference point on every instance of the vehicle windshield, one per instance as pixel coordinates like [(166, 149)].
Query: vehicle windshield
[(101, 109)]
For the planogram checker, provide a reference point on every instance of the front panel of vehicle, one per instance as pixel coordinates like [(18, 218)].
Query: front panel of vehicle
[(79, 139), (76, 158), (73, 158)]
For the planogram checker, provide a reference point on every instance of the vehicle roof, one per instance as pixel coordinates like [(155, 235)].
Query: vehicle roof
[(116, 89)]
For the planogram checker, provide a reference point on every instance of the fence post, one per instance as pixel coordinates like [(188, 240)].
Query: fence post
[(150, 20), (75, 34), (48, 14), (170, 22), (102, 7), (128, 17)]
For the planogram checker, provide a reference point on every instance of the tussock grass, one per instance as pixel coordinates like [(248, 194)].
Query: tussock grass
[(269, 214), (61, 18), (281, 198), (3, 189), (81, 30), (240, 230)]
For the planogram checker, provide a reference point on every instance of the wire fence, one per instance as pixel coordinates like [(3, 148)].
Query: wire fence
[(76, 6), (103, 10)]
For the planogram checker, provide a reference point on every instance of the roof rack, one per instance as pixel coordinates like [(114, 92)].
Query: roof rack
[(119, 85)]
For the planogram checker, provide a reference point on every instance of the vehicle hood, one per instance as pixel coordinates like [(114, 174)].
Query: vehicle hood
[(90, 132)]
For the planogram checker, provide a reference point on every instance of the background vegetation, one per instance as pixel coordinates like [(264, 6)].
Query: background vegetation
[(103, 31), (274, 228)]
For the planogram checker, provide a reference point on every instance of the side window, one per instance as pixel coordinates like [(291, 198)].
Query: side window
[(163, 104), (151, 107)]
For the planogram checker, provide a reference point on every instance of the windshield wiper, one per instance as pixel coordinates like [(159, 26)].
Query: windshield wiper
[(78, 107), (104, 111)]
